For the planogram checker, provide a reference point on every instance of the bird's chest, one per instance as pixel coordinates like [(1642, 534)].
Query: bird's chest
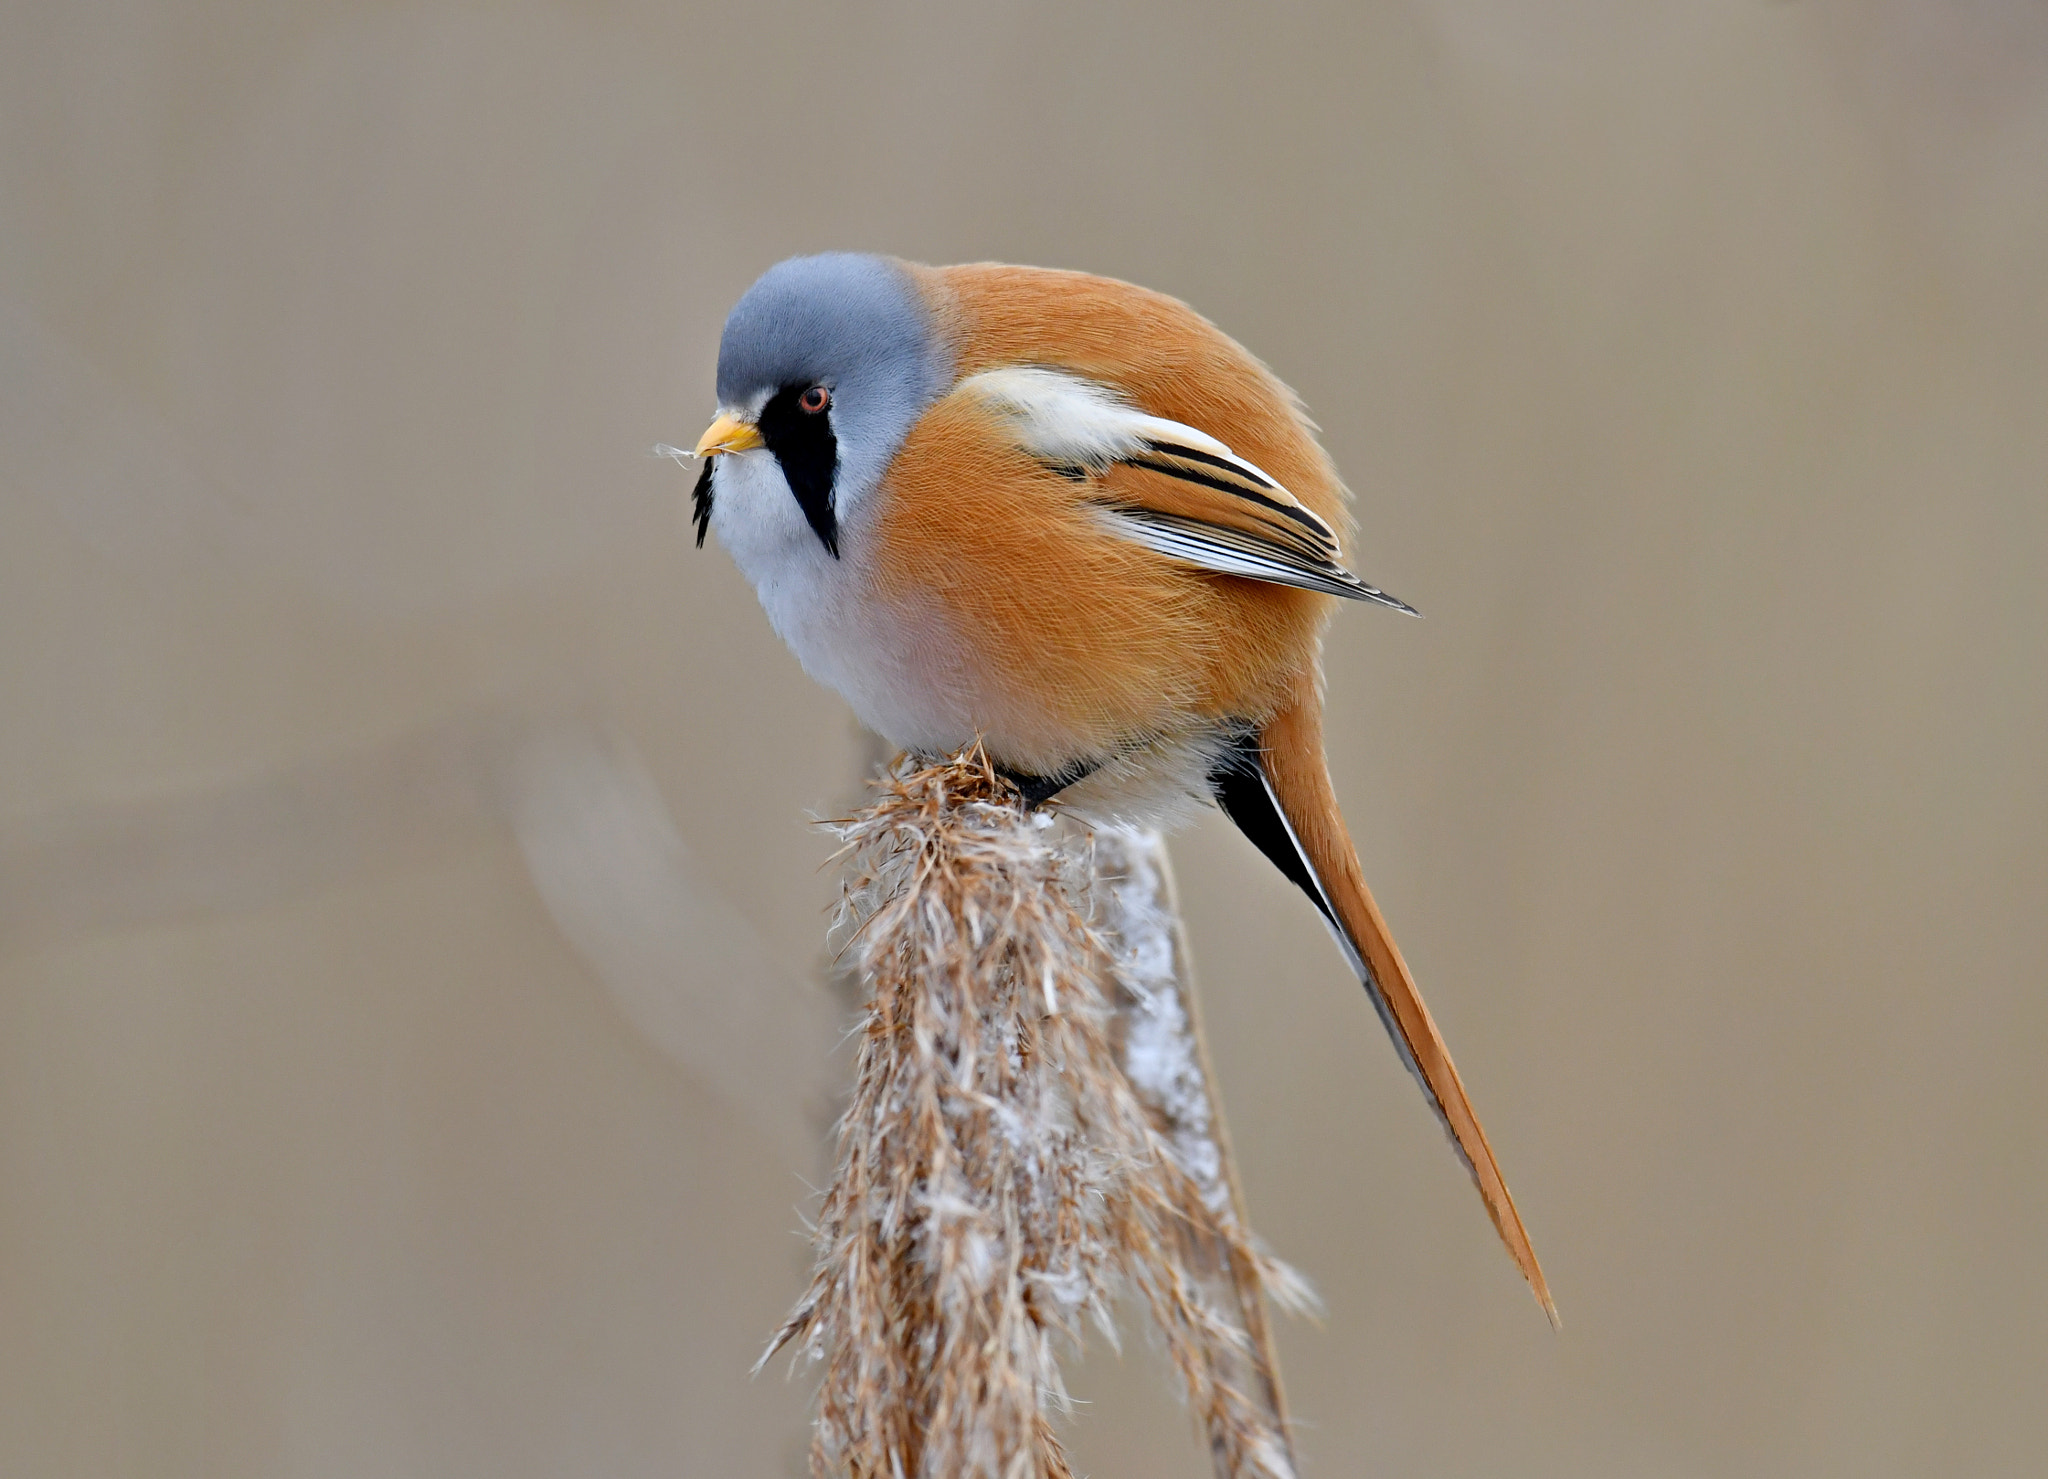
[(905, 671)]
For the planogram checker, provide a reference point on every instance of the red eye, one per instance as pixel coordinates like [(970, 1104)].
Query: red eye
[(816, 399)]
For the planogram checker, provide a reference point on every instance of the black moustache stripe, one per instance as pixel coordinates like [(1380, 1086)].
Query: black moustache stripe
[(803, 443)]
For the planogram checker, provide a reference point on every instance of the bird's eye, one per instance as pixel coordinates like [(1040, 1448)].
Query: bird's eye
[(816, 399)]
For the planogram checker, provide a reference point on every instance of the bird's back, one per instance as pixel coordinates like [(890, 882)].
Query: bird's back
[(1167, 358), (1074, 641)]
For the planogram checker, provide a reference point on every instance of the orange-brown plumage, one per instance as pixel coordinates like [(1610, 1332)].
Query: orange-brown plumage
[(1106, 531), (1004, 548), (1163, 354), (1293, 742)]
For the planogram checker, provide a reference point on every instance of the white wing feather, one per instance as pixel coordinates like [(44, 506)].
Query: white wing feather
[(1063, 418), (1067, 421)]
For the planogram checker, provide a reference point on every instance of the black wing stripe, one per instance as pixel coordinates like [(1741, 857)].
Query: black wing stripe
[(1195, 454), (1295, 512)]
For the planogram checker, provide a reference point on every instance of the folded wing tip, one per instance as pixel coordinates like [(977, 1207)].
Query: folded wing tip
[(1358, 590)]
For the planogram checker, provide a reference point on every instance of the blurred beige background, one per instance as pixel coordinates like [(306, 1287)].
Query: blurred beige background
[(411, 1056)]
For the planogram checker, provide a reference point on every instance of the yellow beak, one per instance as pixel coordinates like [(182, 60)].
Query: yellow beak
[(728, 434)]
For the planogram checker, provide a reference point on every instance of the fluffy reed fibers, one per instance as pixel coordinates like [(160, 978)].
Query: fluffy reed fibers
[(1031, 1131)]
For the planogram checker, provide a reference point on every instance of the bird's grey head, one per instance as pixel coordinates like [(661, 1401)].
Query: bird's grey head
[(830, 359)]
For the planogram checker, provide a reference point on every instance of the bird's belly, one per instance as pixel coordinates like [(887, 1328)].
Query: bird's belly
[(902, 677)]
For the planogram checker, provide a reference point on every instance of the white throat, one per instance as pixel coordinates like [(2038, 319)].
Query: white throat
[(896, 678)]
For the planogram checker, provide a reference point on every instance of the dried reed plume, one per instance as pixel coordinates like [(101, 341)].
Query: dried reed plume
[(1030, 1132)]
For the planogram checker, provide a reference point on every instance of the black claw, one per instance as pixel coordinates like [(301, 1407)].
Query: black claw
[(1039, 789)]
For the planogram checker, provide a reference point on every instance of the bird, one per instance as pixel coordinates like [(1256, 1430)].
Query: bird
[(1070, 520)]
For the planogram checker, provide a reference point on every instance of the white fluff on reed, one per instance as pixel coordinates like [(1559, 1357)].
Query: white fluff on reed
[(999, 1176)]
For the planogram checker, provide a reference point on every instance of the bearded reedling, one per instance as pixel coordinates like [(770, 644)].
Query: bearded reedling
[(1070, 519)]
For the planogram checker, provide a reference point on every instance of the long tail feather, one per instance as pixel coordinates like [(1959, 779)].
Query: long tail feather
[(1276, 787)]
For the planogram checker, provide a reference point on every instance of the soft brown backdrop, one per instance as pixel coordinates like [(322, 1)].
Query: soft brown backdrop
[(409, 1050)]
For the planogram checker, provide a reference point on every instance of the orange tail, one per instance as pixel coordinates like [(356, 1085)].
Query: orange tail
[(1286, 806)]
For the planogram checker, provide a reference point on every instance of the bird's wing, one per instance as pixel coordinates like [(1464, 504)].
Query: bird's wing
[(1169, 486)]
